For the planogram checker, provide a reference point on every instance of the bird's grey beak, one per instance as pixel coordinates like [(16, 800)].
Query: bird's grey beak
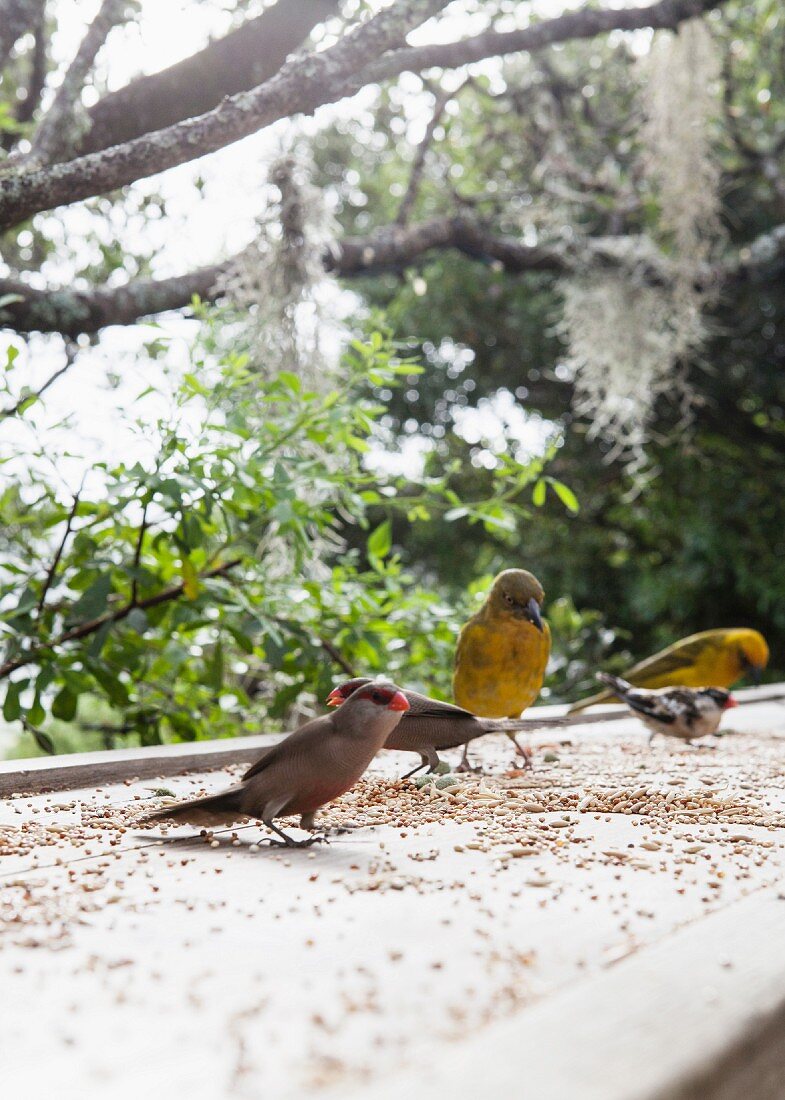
[(534, 610)]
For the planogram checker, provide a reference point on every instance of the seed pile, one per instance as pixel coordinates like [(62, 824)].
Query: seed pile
[(496, 890)]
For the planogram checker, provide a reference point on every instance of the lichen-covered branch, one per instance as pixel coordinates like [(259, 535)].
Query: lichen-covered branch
[(73, 312), (302, 85), (61, 126), (392, 248), (241, 60), (584, 23), (396, 247)]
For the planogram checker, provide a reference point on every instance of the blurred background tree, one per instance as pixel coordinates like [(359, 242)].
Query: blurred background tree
[(512, 297)]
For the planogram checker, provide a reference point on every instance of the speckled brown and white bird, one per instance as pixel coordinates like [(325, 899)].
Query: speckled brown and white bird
[(312, 766), (686, 713), (430, 725)]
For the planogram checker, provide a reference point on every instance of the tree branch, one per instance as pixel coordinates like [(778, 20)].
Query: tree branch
[(585, 23), (303, 84), (37, 77), (394, 248), (73, 312), (391, 248), (235, 63), (16, 18), (60, 126), (92, 626)]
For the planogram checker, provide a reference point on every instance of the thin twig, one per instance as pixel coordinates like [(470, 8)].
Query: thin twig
[(92, 626), (50, 576), (418, 164), (138, 554), (333, 651), (30, 398), (330, 648)]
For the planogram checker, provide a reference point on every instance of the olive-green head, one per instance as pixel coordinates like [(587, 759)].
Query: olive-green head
[(517, 593)]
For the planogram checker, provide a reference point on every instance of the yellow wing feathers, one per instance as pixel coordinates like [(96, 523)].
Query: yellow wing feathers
[(713, 658)]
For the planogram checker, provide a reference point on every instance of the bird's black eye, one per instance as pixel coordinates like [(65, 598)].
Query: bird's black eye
[(377, 697), (508, 598)]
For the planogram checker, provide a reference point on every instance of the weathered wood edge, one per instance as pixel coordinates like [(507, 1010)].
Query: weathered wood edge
[(60, 773), (95, 769), (700, 1015)]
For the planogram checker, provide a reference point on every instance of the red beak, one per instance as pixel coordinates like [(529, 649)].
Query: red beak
[(731, 702), (398, 702), (334, 699)]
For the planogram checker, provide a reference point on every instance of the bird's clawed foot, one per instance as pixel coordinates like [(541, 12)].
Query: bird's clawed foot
[(287, 841), (523, 751)]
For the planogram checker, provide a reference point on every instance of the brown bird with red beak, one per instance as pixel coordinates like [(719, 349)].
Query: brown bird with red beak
[(312, 766), (430, 725)]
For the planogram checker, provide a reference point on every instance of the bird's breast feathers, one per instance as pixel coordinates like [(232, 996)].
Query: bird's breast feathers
[(500, 666)]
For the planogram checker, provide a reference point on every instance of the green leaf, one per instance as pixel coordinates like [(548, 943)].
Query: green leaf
[(137, 620), (99, 641), (290, 380), (538, 493), (27, 601), (12, 707), (190, 579), (43, 740), (565, 495), (380, 541), (64, 705), (214, 667), (36, 713), (92, 603), (114, 689)]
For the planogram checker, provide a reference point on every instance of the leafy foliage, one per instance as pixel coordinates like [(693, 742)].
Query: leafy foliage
[(211, 583)]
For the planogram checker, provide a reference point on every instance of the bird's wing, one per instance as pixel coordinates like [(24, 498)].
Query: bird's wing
[(421, 706), (260, 764), (657, 707), (679, 655), (318, 727)]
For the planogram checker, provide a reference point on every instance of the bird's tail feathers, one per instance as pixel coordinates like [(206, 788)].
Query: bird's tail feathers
[(530, 722), (617, 684), (209, 810)]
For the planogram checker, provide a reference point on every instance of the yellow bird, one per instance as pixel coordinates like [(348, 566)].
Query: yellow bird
[(503, 650), (713, 658)]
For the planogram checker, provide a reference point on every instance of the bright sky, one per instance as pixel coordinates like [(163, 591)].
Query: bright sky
[(201, 226)]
